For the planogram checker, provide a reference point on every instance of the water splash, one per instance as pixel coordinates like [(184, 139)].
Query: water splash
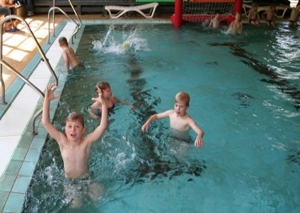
[(115, 43)]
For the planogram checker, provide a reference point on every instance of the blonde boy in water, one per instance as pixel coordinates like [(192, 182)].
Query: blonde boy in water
[(179, 119), (75, 150), (215, 22), (236, 26), (70, 58)]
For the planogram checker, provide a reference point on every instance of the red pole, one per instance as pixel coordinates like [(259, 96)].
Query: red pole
[(238, 6), (176, 18)]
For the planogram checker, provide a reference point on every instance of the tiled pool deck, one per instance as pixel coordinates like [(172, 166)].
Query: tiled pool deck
[(19, 148)]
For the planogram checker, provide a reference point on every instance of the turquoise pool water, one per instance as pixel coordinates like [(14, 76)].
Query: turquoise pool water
[(244, 94)]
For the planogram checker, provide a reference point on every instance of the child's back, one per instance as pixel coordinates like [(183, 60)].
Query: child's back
[(70, 58)]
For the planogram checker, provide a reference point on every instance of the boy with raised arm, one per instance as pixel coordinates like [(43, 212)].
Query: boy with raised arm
[(75, 149), (179, 119), (236, 26), (70, 58)]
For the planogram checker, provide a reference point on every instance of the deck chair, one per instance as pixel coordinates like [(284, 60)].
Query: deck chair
[(279, 12), (146, 10)]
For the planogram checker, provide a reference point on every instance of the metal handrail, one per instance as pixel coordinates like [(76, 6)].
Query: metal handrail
[(53, 8), (2, 62)]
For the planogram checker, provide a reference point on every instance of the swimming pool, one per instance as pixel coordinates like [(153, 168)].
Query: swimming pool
[(244, 94)]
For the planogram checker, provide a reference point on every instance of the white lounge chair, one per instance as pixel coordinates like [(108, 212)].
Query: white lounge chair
[(279, 12), (146, 10)]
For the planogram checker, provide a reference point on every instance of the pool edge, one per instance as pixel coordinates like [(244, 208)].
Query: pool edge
[(17, 175)]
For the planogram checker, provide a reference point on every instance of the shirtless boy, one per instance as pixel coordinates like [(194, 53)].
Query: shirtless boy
[(294, 16), (179, 119), (75, 149), (215, 22), (253, 17), (270, 15), (110, 99), (236, 26), (71, 60)]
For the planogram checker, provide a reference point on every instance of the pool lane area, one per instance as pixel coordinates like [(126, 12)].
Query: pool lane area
[(19, 148)]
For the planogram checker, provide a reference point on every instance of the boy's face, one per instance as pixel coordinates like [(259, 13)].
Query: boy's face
[(180, 108), (74, 130), (107, 92)]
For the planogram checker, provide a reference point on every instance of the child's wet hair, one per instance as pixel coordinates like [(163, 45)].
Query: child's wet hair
[(62, 40), (102, 85), (74, 116), (183, 96)]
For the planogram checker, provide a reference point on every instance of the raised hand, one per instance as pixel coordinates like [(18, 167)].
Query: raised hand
[(100, 97), (50, 92)]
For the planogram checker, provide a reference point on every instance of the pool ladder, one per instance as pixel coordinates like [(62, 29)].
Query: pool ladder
[(18, 74), (52, 9)]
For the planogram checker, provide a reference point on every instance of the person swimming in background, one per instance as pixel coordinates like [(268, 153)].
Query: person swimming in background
[(95, 108), (72, 63), (179, 119), (236, 26), (215, 22)]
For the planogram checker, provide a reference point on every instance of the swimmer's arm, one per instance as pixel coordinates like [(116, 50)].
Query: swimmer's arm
[(249, 14), (199, 139), (53, 132), (92, 114), (94, 136), (93, 107), (116, 100), (240, 29), (156, 117), (257, 17)]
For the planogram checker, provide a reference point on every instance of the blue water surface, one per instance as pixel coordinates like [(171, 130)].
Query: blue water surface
[(244, 94)]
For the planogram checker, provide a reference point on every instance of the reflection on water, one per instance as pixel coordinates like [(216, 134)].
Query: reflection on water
[(273, 77)]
